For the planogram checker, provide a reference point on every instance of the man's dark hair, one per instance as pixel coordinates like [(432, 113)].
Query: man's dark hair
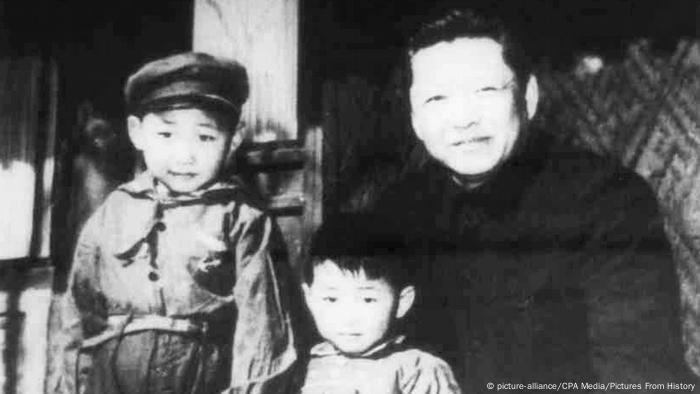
[(352, 244), (470, 24)]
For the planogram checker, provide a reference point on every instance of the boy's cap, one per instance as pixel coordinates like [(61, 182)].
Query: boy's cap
[(188, 77)]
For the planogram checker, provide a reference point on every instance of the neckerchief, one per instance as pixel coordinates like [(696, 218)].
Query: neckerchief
[(145, 209), (325, 348)]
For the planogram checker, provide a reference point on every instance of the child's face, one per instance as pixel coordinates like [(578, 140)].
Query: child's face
[(184, 149), (351, 311)]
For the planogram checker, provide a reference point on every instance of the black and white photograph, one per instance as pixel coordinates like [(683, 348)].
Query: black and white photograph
[(349, 196)]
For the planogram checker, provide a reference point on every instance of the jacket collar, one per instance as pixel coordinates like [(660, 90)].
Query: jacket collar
[(146, 209), (325, 348), (144, 186)]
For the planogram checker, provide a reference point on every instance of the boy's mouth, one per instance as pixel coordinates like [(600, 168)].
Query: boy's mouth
[(350, 335)]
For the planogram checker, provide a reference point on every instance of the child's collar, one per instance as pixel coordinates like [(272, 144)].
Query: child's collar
[(325, 348), (145, 185), (146, 210)]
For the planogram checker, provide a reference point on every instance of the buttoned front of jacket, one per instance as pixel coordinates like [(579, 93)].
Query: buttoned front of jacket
[(202, 257)]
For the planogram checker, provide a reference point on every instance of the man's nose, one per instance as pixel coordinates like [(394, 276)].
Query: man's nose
[(464, 110)]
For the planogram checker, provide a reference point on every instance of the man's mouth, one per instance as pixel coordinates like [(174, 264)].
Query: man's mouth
[(182, 174), (473, 141)]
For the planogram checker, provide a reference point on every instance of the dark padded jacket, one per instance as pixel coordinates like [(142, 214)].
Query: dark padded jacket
[(554, 270)]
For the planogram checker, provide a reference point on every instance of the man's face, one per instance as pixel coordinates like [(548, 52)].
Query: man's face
[(463, 104), (352, 312), (184, 149)]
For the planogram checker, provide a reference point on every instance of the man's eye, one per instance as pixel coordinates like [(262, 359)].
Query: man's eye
[(330, 299), (487, 90), (165, 134), (492, 89), (206, 138), (435, 98)]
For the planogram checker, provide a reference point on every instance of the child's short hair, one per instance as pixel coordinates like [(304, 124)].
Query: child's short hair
[(352, 244), (188, 80)]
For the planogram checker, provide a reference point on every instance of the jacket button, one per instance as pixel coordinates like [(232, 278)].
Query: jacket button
[(153, 276), (160, 226)]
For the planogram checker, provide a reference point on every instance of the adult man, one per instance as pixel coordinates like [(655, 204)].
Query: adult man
[(545, 264)]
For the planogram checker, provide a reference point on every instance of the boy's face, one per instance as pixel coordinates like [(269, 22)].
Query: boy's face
[(351, 311), (184, 149)]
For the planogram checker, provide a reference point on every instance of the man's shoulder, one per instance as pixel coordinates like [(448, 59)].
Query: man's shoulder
[(599, 191), (572, 160), (592, 174)]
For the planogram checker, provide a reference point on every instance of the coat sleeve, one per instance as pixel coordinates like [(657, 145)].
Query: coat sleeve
[(263, 345), (630, 286), (78, 309)]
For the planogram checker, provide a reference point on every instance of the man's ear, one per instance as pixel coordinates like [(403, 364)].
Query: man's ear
[(133, 123), (532, 97), (416, 130), (406, 298), (413, 117)]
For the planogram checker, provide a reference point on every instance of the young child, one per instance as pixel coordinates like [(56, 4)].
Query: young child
[(357, 290), (172, 288)]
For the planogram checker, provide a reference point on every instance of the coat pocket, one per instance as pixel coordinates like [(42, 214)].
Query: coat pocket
[(214, 272)]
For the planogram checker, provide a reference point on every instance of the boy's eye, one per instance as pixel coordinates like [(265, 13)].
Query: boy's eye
[(330, 299), (165, 134), (206, 138), (369, 300)]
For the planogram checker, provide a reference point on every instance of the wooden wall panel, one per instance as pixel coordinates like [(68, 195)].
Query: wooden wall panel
[(263, 36)]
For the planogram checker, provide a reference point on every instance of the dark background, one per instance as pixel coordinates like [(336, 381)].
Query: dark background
[(98, 43), (557, 29)]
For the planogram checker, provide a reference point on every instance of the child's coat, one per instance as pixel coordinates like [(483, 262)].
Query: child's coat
[(389, 368), (178, 294)]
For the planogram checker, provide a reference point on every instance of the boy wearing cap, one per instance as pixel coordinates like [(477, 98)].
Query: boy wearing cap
[(172, 288)]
